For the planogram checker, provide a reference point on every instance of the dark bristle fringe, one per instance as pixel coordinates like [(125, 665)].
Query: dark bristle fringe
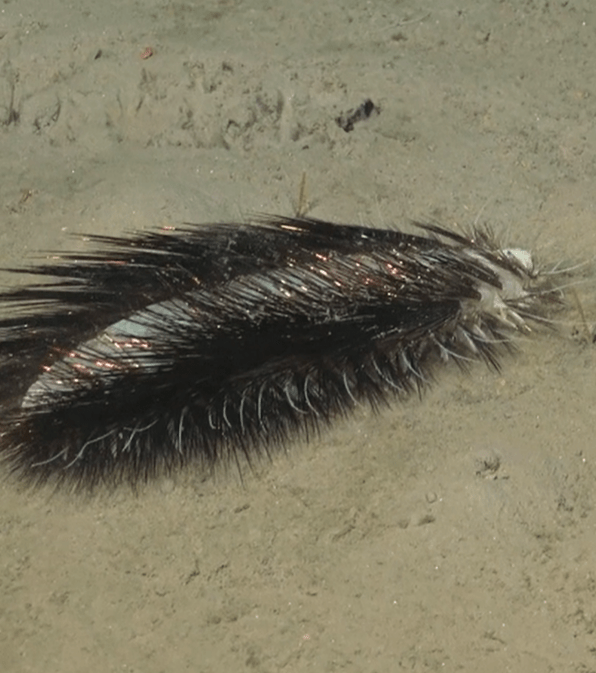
[(215, 343)]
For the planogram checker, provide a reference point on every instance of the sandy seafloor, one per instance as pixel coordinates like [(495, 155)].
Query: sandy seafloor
[(452, 533)]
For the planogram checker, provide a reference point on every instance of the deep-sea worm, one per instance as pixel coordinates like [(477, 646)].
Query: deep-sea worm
[(212, 343)]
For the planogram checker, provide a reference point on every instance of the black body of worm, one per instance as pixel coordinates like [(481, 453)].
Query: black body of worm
[(214, 342)]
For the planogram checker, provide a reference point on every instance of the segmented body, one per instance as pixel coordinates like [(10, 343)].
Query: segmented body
[(216, 341)]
